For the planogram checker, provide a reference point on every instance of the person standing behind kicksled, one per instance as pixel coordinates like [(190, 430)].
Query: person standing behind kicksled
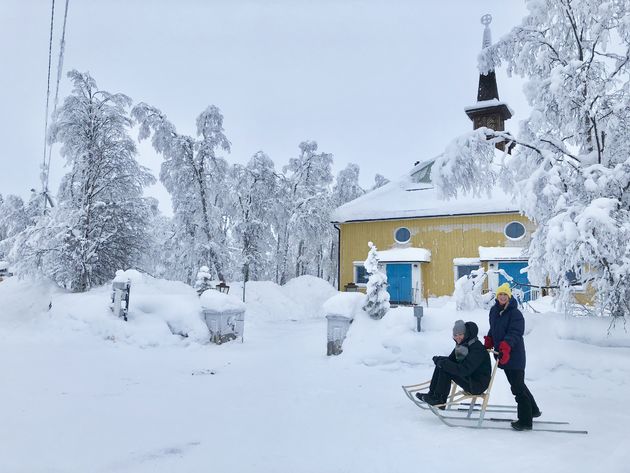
[(507, 327)]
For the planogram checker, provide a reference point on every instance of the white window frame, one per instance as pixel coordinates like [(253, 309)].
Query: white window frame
[(397, 240), (509, 237)]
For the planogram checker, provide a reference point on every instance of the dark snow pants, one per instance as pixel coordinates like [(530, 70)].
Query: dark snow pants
[(525, 402), (440, 386)]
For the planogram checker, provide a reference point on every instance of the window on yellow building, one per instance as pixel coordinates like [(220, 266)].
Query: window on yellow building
[(464, 270), (514, 230), (360, 274), (402, 235)]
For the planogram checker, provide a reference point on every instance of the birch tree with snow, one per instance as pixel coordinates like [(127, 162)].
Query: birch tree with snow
[(100, 222), (377, 297), (304, 220), (570, 168), (195, 176), (255, 204)]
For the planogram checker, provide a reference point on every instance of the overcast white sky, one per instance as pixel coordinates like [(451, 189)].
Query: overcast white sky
[(378, 83)]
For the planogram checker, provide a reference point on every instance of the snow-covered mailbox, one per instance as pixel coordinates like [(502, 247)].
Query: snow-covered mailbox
[(224, 315), (121, 287), (340, 310)]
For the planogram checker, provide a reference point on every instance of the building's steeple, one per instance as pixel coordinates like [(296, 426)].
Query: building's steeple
[(488, 111)]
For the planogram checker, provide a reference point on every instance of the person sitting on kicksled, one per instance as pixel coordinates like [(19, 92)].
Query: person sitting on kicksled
[(468, 365)]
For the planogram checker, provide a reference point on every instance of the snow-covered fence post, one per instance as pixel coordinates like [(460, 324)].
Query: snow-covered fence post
[(418, 312), (121, 287), (377, 302), (224, 316)]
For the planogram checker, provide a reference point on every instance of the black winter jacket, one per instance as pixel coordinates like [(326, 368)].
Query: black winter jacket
[(475, 367), (509, 325)]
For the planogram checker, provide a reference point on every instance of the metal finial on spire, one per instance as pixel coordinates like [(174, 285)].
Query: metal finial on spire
[(487, 36)]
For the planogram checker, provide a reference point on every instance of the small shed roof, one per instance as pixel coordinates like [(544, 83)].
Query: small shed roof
[(399, 255)]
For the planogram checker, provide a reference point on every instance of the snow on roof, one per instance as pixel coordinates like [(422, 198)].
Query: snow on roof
[(405, 254), (487, 103), (4, 265), (405, 198), (501, 253)]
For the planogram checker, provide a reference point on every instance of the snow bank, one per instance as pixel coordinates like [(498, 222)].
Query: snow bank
[(161, 312), (300, 298), (551, 339)]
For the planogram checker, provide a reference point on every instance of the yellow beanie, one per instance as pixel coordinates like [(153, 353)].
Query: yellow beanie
[(504, 289)]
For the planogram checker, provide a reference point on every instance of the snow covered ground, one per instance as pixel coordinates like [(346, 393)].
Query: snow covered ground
[(85, 392)]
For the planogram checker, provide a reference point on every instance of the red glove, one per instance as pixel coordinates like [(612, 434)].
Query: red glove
[(504, 352), (488, 343)]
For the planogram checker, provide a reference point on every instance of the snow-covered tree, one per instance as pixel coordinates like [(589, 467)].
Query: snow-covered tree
[(379, 181), (570, 168), (160, 254), (347, 185), (377, 297), (13, 216), (100, 223), (195, 176), (304, 228), (254, 202), (203, 281)]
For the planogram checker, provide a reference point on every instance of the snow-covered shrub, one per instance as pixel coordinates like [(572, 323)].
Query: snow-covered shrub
[(377, 300), (468, 291), (203, 281)]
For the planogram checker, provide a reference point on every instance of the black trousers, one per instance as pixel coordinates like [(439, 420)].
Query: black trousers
[(525, 402), (441, 384)]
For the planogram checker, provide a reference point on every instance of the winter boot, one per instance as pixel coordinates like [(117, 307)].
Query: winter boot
[(517, 425), (433, 401)]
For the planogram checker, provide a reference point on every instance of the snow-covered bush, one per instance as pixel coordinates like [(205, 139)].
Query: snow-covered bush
[(203, 281), (377, 300), (468, 291)]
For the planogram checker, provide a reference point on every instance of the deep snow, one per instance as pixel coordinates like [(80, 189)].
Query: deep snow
[(83, 391)]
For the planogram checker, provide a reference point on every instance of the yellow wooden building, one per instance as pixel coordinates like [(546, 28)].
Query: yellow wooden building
[(425, 244)]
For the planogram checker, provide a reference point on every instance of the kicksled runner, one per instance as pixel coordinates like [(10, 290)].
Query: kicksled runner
[(474, 411)]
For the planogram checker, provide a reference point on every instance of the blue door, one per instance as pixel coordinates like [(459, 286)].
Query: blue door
[(513, 269), (399, 283)]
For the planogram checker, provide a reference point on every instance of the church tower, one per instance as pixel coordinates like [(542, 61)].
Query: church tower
[(488, 111)]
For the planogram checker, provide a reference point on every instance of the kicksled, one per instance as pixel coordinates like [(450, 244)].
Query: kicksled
[(473, 411)]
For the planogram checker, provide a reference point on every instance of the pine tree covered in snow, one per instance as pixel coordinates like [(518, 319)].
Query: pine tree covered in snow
[(195, 176), (203, 280), (570, 169), (99, 224), (377, 297)]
